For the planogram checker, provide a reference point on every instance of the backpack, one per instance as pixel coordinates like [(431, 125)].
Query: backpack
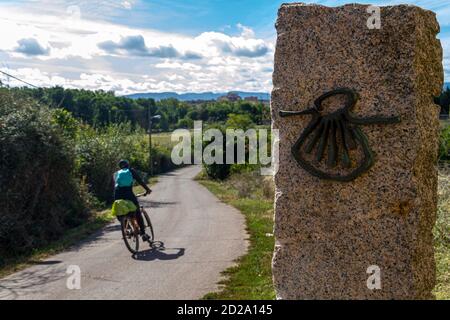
[(123, 178), (122, 207)]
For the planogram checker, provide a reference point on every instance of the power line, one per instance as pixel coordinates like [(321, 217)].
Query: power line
[(64, 95), (32, 85), (10, 75)]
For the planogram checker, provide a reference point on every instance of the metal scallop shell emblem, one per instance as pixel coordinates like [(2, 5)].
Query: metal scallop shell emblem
[(333, 146)]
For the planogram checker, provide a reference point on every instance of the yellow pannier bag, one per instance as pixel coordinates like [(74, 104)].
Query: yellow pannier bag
[(122, 207)]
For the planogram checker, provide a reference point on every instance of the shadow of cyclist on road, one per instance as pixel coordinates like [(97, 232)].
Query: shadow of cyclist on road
[(159, 252)]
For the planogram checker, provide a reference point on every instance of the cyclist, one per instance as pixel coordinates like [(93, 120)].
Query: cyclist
[(123, 189)]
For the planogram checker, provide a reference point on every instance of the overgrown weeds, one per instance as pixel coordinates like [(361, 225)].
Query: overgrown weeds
[(442, 236)]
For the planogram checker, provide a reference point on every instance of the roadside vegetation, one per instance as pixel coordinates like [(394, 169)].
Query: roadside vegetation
[(242, 186), (56, 173), (96, 221), (442, 227), (444, 101), (252, 194), (442, 236), (13, 263)]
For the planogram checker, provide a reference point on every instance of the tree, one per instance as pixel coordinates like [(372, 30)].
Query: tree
[(217, 171), (163, 122), (185, 123), (445, 101), (239, 121), (101, 108)]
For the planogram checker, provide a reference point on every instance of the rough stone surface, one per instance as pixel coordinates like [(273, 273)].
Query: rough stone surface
[(327, 232)]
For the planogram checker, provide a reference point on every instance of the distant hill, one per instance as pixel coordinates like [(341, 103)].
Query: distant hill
[(446, 85), (191, 96)]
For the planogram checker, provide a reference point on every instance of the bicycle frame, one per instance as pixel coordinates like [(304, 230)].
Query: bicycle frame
[(133, 220), (134, 223)]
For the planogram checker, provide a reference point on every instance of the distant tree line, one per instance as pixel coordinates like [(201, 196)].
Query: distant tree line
[(102, 108)]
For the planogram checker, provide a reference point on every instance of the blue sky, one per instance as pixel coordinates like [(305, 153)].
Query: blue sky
[(194, 16), (153, 45)]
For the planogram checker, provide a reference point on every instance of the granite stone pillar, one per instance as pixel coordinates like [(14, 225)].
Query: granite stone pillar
[(357, 181)]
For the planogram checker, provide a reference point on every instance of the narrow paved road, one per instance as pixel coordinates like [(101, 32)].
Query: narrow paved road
[(201, 237)]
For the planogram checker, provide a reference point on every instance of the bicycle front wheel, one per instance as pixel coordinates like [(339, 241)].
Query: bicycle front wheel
[(130, 235)]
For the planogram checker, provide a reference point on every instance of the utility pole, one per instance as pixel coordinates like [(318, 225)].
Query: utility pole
[(150, 120), (150, 145)]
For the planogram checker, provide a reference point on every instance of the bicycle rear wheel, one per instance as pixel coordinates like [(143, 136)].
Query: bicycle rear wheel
[(148, 225), (130, 235)]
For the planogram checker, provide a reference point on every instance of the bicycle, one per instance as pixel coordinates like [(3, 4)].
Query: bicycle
[(131, 231)]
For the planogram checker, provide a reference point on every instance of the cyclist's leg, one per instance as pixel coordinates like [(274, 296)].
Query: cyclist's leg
[(139, 218), (140, 221), (127, 194)]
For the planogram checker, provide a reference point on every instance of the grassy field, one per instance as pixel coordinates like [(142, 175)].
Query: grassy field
[(251, 278), (162, 139)]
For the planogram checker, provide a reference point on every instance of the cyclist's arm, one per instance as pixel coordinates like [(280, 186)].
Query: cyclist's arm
[(139, 180)]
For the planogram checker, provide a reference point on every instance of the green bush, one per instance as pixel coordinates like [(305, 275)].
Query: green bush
[(39, 196), (54, 169), (185, 123), (162, 161), (444, 145), (98, 151), (217, 171), (139, 153), (239, 121)]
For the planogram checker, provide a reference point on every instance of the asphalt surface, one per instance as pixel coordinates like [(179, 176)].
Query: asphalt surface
[(200, 237)]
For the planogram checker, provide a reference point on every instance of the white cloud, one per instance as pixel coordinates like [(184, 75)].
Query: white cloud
[(127, 4), (223, 44), (87, 39), (174, 76), (246, 32), (213, 79), (135, 60), (32, 75), (177, 65), (75, 52)]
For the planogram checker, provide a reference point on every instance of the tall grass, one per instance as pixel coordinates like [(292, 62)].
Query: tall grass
[(442, 236), (252, 194)]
